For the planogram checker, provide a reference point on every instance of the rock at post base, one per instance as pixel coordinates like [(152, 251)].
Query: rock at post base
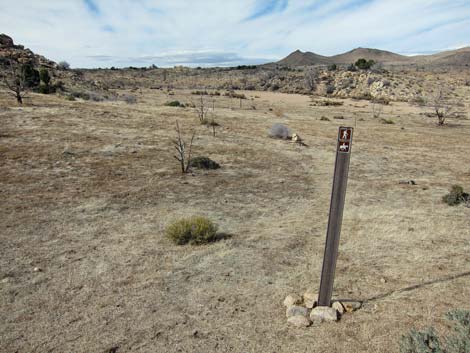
[(292, 299), (297, 311), (352, 306), (299, 321), (323, 313), (310, 299), (338, 307)]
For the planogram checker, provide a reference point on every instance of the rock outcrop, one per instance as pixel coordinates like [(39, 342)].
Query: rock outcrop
[(18, 53)]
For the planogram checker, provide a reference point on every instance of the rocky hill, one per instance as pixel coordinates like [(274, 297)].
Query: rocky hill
[(20, 54), (457, 57)]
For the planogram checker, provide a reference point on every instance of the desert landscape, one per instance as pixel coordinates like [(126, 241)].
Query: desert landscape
[(89, 184)]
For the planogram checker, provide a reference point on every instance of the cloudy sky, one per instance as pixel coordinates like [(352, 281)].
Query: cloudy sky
[(104, 33)]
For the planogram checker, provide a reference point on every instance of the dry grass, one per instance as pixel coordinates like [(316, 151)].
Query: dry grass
[(87, 190)]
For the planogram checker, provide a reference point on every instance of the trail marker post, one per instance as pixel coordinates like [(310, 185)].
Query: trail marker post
[(338, 194)]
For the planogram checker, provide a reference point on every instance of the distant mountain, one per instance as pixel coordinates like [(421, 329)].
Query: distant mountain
[(298, 58), (453, 57), (377, 55)]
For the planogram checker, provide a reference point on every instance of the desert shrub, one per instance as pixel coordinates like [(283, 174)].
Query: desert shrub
[(338, 117), (330, 88), (387, 121), (70, 97), (45, 89), (203, 163), (30, 76), (279, 131), (174, 104), (381, 100), (364, 64), (455, 196), (386, 83), (324, 118), (332, 67), (63, 65), (327, 103), (200, 93), (194, 230), (351, 67), (129, 99), (371, 80), (44, 76), (427, 341)]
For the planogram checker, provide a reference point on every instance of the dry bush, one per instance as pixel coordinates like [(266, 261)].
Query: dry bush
[(456, 196), (203, 163), (194, 230), (183, 154), (279, 131)]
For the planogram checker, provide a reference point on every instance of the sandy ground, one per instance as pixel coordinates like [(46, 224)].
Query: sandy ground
[(87, 188)]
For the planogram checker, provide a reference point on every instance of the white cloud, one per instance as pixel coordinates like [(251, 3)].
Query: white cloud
[(211, 32)]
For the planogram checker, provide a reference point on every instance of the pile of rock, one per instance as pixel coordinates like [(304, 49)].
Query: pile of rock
[(20, 54), (302, 311)]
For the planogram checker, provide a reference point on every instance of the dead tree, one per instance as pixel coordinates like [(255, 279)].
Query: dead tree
[(442, 108), (310, 78), (14, 80), (183, 156), (202, 110)]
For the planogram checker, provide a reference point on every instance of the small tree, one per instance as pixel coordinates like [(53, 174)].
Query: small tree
[(183, 156), (442, 107), (14, 80), (202, 109), (310, 79), (364, 64), (63, 65)]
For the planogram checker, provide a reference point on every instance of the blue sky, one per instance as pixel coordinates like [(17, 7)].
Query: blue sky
[(105, 33)]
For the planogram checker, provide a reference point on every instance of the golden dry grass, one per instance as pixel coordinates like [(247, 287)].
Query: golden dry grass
[(87, 190)]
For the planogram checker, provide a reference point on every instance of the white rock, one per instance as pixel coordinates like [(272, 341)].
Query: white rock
[(296, 310), (323, 313), (338, 307), (37, 269), (299, 321), (292, 299)]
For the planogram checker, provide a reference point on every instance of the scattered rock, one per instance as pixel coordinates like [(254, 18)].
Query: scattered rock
[(323, 313), (37, 269), (352, 306), (383, 280), (407, 182), (292, 299), (310, 299), (6, 280), (338, 307), (299, 321), (296, 310)]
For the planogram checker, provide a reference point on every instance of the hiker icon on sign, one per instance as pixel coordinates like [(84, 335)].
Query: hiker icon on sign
[(345, 134)]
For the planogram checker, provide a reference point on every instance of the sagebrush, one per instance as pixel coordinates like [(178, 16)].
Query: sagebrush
[(193, 230)]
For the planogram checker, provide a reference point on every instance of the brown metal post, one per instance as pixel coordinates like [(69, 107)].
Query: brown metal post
[(338, 194)]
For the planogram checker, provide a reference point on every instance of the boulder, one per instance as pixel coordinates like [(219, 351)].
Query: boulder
[(6, 41), (296, 310), (323, 313), (292, 299), (299, 321)]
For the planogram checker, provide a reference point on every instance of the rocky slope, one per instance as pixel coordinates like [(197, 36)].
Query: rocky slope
[(20, 54)]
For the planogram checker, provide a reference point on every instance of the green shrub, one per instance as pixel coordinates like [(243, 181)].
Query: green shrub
[(364, 64), (428, 341), (194, 230), (387, 121), (44, 76), (174, 104), (30, 75), (332, 67), (203, 163), (455, 196)]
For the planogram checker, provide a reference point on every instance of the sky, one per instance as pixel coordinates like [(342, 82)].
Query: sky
[(105, 33)]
